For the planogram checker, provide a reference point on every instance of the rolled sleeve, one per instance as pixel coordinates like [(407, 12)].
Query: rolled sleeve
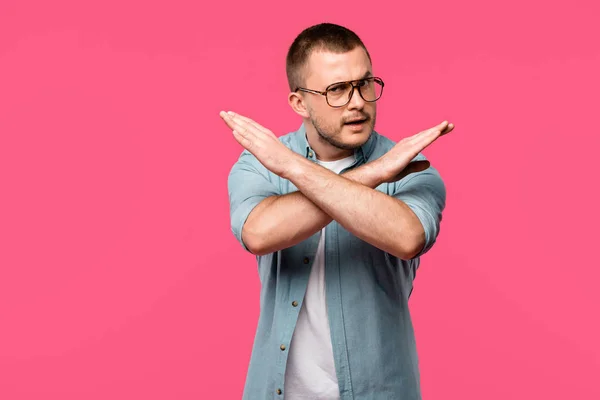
[(248, 184), (425, 193)]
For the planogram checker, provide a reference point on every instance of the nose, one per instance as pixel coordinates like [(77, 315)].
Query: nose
[(356, 101)]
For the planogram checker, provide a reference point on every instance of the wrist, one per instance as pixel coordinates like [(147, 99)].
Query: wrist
[(372, 173), (296, 167), (367, 174)]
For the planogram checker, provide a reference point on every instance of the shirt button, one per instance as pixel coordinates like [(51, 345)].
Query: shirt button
[(282, 347), (279, 391), (294, 303), (306, 260), (310, 154)]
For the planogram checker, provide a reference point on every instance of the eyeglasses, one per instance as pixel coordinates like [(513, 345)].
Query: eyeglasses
[(340, 93)]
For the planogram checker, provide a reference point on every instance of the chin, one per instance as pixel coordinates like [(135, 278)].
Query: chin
[(356, 139), (353, 134)]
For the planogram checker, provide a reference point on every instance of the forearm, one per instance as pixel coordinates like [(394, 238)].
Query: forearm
[(372, 216), (280, 222)]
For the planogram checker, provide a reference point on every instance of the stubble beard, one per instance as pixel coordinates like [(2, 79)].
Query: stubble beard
[(328, 134)]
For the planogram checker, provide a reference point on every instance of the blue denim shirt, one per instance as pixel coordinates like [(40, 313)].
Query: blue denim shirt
[(367, 289)]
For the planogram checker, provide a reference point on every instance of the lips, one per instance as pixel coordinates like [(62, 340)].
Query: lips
[(356, 121)]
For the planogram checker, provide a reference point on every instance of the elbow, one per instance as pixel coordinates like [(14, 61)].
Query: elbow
[(253, 243), (413, 251), (411, 247), (257, 251), (417, 245)]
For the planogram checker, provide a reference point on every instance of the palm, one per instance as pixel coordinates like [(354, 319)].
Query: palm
[(400, 156), (259, 141)]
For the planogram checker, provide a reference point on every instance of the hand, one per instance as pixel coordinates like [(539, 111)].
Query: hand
[(396, 163), (261, 142)]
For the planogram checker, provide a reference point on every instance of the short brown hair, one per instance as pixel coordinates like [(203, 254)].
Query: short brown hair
[(325, 36)]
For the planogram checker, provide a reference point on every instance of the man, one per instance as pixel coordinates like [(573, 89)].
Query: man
[(338, 216)]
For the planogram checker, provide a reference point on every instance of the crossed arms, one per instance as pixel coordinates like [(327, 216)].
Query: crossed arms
[(404, 224)]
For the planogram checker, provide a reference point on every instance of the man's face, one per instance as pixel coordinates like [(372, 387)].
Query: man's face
[(333, 124)]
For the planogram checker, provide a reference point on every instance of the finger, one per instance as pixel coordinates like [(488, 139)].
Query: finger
[(243, 140), (252, 123), (448, 129), (434, 130), (246, 124), (236, 123), (232, 120), (438, 129), (441, 129), (231, 123), (236, 116), (425, 138)]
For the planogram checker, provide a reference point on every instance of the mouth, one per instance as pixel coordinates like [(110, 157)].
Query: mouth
[(356, 122)]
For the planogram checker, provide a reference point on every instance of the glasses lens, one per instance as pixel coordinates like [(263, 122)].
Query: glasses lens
[(371, 89), (337, 95)]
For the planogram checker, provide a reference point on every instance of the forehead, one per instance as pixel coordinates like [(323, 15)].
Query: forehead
[(324, 67)]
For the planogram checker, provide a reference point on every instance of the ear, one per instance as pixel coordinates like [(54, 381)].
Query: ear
[(296, 101)]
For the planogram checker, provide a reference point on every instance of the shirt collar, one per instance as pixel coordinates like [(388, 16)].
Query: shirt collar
[(362, 153)]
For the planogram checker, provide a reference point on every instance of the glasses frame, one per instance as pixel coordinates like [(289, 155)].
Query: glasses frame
[(354, 84)]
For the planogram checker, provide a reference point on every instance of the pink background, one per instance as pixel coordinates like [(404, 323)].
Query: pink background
[(120, 277)]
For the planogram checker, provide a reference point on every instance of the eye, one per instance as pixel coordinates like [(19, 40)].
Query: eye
[(337, 88)]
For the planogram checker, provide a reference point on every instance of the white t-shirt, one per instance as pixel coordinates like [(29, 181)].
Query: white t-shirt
[(310, 372)]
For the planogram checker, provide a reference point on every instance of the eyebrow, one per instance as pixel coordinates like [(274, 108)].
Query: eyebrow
[(367, 74)]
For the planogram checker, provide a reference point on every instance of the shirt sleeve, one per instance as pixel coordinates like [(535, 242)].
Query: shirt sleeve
[(248, 184), (425, 193)]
